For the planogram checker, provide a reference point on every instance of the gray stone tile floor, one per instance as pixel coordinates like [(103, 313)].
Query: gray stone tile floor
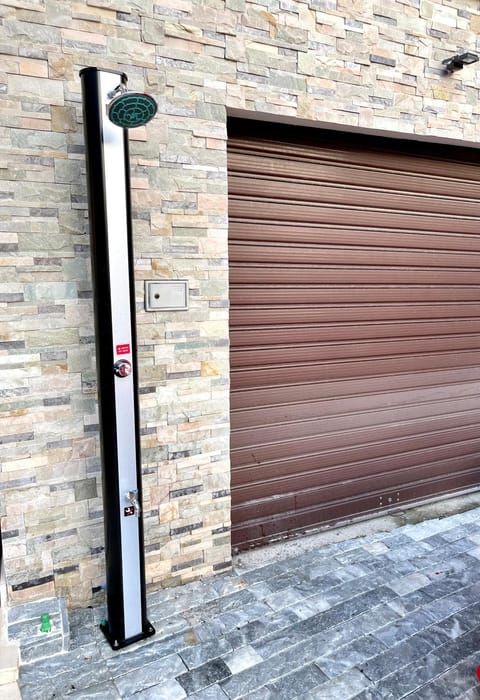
[(385, 616)]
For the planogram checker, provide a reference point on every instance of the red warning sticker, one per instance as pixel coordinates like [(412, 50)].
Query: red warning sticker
[(123, 349)]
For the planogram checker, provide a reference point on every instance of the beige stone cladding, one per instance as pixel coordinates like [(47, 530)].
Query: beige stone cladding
[(350, 63)]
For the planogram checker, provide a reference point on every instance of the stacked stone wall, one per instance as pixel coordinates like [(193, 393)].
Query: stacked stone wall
[(349, 63)]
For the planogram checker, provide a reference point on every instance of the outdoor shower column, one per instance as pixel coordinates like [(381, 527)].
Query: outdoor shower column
[(105, 101)]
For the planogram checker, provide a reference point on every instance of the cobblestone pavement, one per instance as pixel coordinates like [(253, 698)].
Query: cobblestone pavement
[(389, 615)]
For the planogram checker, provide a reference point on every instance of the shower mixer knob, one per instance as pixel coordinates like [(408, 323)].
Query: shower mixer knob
[(122, 368)]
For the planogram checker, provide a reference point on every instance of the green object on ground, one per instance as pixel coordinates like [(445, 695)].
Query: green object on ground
[(45, 623)]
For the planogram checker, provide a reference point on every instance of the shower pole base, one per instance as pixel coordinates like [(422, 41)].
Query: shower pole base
[(116, 644)]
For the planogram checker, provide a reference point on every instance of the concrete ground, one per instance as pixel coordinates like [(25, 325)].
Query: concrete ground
[(385, 609)]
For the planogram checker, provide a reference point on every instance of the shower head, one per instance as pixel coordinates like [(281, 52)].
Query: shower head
[(130, 109)]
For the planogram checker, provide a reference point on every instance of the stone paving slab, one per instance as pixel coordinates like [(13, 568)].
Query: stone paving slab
[(24, 626), (383, 617)]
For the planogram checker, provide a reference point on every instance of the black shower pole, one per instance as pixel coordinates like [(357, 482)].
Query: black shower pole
[(108, 179)]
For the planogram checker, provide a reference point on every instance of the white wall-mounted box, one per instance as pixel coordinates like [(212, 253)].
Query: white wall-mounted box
[(166, 295)]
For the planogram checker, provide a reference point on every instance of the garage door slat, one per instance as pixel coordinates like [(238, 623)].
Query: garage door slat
[(240, 316), (368, 467), (246, 400), (321, 412), (252, 337), (257, 526), (363, 194), (249, 378), (330, 149), (322, 234)]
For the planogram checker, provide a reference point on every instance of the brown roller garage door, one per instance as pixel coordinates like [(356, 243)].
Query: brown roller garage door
[(355, 325)]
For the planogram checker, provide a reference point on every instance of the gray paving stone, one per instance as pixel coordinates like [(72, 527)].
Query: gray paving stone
[(129, 659), (234, 601), (346, 657), (261, 694), (39, 648), (153, 673), (228, 584), (260, 590), (436, 541), (409, 584), (310, 607), (462, 621), (253, 678), (201, 653), (474, 552), (369, 694), (366, 623), (316, 570), (241, 659), (24, 626), (410, 602), (166, 690), (452, 685), (81, 623), (457, 533), (179, 601), (284, 598), (208, 674), (449, 605), (442, 588), (286, 581), (213, 692), (357, 570), (44, 671), (280, 641), (102, 691), (460, 648), (398, 538), (37, 692), (259, 629), (78, 677), (300, 681), (348, 590), (358, 555), (405, 627), (32, 611), (458, 547), (264, 573), (400, 655), (166, 627), (234, 619), (429, 528), (408, 551), (321, 586), (375, 547), (344, 687), (425, 667), (338, 618), (405, 680), (209, 630), (348, 609)]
